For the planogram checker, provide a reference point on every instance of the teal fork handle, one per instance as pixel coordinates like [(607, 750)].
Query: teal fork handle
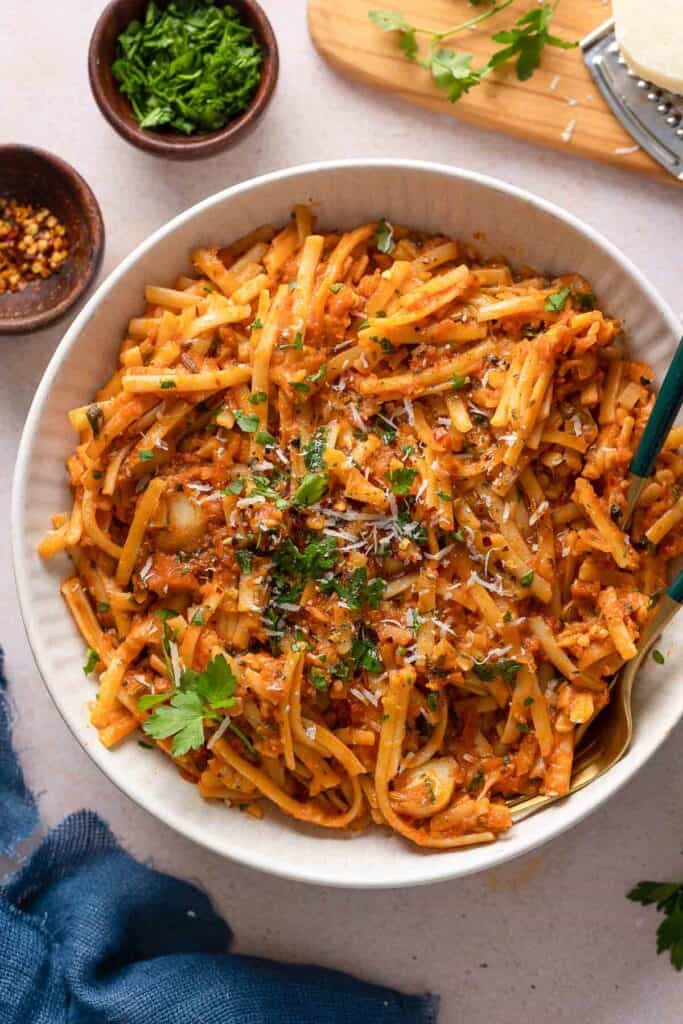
[(675, 591), (661, 418)]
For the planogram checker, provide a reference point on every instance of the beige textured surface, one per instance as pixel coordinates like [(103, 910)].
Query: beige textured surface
[(559, 940)]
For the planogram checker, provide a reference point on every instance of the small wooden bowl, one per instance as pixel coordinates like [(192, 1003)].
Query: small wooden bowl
[(42, 179), (116, 16)]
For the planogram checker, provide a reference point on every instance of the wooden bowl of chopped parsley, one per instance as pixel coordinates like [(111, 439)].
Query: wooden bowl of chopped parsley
[(182, 78)]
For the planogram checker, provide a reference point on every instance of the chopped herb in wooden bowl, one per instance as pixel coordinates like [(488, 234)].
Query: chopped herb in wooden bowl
[(190, 66)]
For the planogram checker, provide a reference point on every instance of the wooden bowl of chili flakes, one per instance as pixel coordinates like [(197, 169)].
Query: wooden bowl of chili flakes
[(51, 238)]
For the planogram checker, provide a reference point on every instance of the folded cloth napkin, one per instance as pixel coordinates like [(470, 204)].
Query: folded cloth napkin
[(90, 936)]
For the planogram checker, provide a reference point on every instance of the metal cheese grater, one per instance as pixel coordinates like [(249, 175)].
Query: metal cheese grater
[(653, 116)]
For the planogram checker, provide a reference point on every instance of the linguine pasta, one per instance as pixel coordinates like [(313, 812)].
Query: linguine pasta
[(345, 532)]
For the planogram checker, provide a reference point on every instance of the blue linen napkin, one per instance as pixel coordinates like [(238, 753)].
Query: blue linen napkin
[(90, 936)]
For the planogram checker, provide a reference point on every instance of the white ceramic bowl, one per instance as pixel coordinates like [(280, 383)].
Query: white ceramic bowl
[(507, 221)]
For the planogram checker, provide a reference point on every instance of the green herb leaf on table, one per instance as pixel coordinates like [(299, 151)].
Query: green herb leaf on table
[(451, 69), (667, 897)]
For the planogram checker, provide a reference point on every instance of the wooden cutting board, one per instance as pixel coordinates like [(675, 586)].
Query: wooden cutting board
[(559, 106)]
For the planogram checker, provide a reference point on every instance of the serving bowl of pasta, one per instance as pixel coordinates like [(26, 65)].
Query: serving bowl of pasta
[(337, 537)]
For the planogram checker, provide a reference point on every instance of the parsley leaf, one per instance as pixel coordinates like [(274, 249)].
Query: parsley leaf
[(258, 398), (189, 66), (452, 70), (668, 899), (585, 301), (556, 302), (527, 41), (401, 480), (314, 449), (394, 21), (384, 237), (244, 560), (310, 490), (357, 591), (247, 421), (364, 654), (458, 382), (91, 660), (507, 668)]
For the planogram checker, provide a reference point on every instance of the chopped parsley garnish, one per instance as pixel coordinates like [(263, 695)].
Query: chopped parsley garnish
[(506, 668), (188, 66), (556, 302), (91, 661), (401, 480), (384, 237), (198, 618), (432, 701), (585, 301), (658, 657), (292, 567), (314, 449), (364, 654), (166, 613), (334, 288), (357, 591), (318, 679), (102, 607), (255, 325), (145, 455), (168, 383), (247, 421), (310, 490), (244, 560), (297, 344), (528, 578), (458, 382), (407, 527), (452, 69), (258, 398), (384, 344), (199, 696), (235, 486), (476, 784)]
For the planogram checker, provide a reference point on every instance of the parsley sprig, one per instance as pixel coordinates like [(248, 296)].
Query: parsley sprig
[(452, 70), (667, 897), (182, 711)]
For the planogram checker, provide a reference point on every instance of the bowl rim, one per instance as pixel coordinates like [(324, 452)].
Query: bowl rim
[(91, 217), (436, 868), (176, 146)]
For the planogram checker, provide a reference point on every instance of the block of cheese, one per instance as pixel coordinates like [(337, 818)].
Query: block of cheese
[(650, 37)]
